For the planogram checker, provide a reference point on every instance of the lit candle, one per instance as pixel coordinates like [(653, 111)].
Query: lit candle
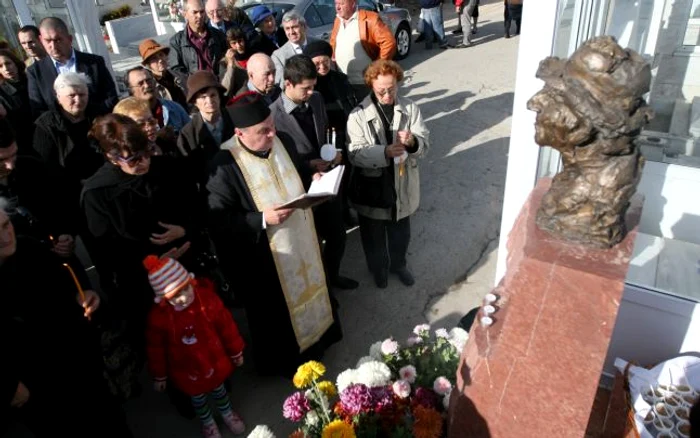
[(77, 283)]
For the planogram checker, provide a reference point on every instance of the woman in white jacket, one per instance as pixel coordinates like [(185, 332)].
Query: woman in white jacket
[(386, 137)]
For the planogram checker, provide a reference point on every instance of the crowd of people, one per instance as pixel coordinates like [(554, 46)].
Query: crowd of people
[(175, 194)]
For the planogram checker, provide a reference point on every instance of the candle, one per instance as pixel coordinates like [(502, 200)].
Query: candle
[(333, 137), (486, 321), (77, 283), (490, 298)]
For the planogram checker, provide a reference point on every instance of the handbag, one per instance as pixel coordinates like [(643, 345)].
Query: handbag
[(372, 191)]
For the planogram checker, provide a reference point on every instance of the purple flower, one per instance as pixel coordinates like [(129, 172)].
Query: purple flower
[(356, 399), (426, 398), (381, 398), (295, 407)]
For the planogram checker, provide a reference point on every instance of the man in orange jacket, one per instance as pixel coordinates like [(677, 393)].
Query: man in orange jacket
[(358, 38)]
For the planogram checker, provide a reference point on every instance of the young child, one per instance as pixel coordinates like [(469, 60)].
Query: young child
[(192, 341)]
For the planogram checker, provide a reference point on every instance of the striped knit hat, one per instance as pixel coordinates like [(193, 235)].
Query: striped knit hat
[(166, 275)]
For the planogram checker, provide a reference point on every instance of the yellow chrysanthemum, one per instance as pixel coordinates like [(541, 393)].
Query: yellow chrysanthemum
[(327, 388), (338, 429), (307, 373)]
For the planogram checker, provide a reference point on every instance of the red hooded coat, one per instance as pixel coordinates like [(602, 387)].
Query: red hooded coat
[(193, 347)]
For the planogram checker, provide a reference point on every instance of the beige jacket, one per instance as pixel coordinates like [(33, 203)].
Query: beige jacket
[(369, 157)]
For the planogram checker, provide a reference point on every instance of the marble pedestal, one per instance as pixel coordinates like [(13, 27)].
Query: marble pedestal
[(536, 370)]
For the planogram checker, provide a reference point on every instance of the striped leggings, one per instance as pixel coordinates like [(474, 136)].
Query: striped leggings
[(201, 406)]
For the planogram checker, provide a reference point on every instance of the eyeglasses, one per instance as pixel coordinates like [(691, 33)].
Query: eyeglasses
[(136, 158), (386, 91), (148, 122), (149, 81)]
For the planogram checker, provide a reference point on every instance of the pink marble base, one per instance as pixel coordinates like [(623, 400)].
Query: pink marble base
[(535, 371)]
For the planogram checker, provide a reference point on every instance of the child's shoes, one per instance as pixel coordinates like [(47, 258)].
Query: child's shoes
[(234, 423), (211, 431)]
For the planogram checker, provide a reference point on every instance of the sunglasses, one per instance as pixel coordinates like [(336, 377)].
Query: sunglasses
[(385, 91), (136, 158)]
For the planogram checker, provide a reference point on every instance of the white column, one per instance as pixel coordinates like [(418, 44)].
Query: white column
[(23, 13), (87, 30), (536, 42), (160, 27)]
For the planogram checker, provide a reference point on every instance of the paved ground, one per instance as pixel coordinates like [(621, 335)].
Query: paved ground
[(466, 97)]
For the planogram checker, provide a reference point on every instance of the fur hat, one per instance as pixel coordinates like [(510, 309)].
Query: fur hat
[(167, 276)]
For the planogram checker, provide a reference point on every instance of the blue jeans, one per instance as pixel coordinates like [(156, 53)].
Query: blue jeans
[(432, 22)]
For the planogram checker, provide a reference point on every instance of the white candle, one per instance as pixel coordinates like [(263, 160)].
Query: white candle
[(490, 298), (489, 309), (333, 137), (486, 321)]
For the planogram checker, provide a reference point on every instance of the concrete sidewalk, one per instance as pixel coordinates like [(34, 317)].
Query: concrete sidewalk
[(465, 96)]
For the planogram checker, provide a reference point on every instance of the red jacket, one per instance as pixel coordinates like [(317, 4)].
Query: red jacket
[(193, 347)]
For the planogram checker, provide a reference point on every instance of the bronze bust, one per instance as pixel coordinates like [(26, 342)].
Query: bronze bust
[(591, 109)]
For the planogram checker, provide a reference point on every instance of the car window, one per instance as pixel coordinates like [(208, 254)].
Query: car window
[(325, 10), (312, 18), (367, 5)]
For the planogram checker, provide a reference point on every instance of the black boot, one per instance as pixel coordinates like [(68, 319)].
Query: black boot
[(421, 37)]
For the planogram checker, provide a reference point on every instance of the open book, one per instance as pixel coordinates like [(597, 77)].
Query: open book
[(320, 191)]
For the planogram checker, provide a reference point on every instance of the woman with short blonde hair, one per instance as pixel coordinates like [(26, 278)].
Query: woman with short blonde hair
[(386, 137)]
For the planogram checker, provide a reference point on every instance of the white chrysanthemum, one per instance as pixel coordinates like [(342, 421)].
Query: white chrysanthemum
[(373, 374), (446, 400), (312, 418), (375, 350), (390, 347), (442, 333), (414, 340), (408, 373), (364, 359), (458, 338), (421, 329), (261, 432), (346, 378)]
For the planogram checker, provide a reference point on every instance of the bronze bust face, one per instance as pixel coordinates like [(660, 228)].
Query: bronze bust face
[(591, 109)]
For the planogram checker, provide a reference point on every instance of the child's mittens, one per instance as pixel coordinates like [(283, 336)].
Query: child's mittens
[(237, 359), (160, 384)]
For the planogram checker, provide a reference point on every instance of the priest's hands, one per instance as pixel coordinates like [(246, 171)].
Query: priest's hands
[(172, 232), (319, 165), (276, 217)]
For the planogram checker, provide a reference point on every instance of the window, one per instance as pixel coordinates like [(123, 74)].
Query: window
[(325, 10), (368, 5), (312, 18)]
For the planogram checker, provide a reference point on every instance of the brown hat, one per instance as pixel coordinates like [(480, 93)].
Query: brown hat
[(150, 47), (201, 80)]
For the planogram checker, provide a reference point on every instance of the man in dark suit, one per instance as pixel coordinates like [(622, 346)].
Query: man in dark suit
[(300, 113), (198, 46), (57, 41)]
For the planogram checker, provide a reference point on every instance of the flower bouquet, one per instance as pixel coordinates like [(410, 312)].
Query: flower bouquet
[(394, 392)]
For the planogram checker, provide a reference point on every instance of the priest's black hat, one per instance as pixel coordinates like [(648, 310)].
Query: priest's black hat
[(318, 48), (248, 109)]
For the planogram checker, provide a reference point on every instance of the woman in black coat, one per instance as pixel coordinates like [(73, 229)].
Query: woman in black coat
[(136, 205), (52, 353), (14, 99)]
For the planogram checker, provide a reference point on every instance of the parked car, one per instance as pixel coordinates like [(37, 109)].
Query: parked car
[(320, 15)]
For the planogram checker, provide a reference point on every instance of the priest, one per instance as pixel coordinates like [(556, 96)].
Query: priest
[(271, 256)]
